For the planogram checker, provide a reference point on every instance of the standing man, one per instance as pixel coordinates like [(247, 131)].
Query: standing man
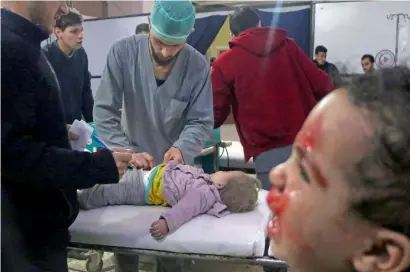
[(327, 67), (70, 63), (40, 173), (368, 63), (155, 92), (142, 29), (271, 85)]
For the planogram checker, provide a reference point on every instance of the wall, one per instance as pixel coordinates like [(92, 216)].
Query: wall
[(91, 8), (224, 35), (122, 8), (350, 30), (221, 39), (101, 9), (147, 6)]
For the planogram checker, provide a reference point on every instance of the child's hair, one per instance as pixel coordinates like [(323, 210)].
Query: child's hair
[(73, 17), (240, 194), (381, 179)]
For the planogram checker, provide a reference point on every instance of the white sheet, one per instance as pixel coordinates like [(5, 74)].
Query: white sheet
[(234, 158), (239, 235)]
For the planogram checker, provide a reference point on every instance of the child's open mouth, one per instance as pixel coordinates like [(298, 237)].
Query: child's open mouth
[(277, 202)]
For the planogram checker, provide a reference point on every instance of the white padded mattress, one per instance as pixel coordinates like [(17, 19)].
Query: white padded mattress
[(238, 235)]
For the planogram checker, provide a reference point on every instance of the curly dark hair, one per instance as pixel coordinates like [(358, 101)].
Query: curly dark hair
[(381, 186)]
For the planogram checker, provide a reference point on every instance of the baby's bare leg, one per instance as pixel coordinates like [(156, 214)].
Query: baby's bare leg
[(129, 191)]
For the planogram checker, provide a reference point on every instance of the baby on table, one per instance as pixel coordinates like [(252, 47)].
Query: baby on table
[(186, 189)]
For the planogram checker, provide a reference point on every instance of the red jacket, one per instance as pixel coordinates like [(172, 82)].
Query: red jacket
[(271, 85)]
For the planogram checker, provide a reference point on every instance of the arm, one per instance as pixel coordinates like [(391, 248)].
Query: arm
[(319, 80), (199, 119), (222, 96), (108, 102), (88, 100), (27, 159), (196, 201)]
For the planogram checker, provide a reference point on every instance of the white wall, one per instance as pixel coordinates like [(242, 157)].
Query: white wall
[(147, 6), (350, 30)]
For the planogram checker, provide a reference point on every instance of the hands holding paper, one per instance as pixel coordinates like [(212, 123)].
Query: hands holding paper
[(79, 134), (71, 135)]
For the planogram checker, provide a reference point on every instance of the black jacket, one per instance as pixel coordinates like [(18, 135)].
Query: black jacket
[(331, 70), (74, 80), (39, 171)]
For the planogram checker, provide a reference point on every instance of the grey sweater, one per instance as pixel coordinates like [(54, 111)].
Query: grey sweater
[(154, 118)]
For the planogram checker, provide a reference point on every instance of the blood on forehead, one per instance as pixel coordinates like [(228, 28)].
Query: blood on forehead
[(309, 139), (310, 135)]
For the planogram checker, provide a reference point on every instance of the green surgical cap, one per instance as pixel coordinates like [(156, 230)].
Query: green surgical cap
[(172, 20)]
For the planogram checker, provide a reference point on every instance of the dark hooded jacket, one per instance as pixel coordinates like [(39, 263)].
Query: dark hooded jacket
[(40, 174), (271, 85)]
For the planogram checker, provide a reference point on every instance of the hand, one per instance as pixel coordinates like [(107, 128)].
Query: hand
[(72, 135), (122, 150), (159, 229), (173, 154), (122, 159), (143, 160)]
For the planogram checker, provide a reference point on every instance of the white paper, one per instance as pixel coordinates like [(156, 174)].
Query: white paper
[(84, 132)]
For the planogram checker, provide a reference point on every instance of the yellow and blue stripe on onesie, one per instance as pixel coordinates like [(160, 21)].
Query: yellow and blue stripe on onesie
[(153, 186)]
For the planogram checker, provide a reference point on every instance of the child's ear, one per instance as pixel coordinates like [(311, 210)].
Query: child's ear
[(389, 252), (219, 185)]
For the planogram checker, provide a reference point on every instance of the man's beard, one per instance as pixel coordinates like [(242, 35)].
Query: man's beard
[(157, 59)]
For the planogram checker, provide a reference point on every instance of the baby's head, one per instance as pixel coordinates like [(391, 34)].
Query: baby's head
[(342, 199), (238, 191)]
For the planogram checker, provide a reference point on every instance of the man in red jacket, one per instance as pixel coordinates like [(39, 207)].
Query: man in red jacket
[(271, 86)]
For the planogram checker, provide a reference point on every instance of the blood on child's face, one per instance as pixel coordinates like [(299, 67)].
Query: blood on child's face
[(310, 195)]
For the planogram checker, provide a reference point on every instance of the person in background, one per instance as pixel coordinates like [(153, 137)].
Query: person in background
[(329, 68), (271, 85), (342, 200), (40, 174), (70, 63), (368, 63), (212, 60), (142, 29)]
